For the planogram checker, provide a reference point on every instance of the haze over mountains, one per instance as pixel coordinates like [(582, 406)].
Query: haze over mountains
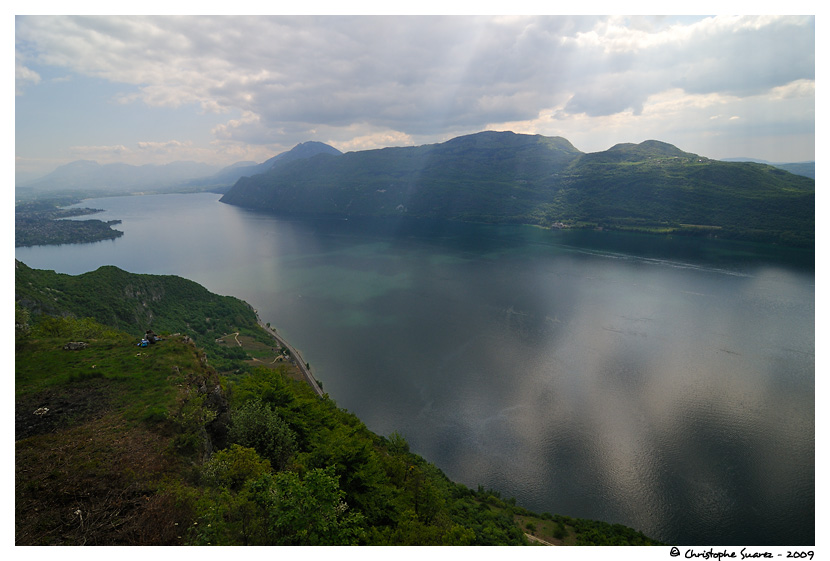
[(807, 169), (492, 177), (88, 178), (87, 175)]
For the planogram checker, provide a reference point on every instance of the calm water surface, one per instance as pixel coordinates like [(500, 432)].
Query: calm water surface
[(666, 384)]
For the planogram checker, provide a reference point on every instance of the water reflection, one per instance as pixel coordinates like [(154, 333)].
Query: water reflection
[(664, 384)]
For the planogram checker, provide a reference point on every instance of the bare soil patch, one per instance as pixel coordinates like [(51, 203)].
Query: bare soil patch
[(93, 484), (55, 409)]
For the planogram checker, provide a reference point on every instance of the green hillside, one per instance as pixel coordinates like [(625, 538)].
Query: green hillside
[(656, 186), (507, 177), (498, 174), (124, 445), (135, 303)]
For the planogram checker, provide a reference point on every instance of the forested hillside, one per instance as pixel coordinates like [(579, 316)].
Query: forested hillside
[(506, 177), (118, 444)]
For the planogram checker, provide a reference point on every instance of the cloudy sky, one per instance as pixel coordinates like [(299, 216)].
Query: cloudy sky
[(223, 89)]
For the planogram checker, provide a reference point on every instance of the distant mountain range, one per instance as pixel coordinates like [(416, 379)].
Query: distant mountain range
[(807, 169), (84, 178), (87, 178), (504, 177)]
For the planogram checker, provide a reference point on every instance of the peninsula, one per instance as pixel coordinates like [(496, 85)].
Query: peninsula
[(46, 222)]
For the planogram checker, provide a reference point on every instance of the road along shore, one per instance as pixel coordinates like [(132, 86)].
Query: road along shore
[(294, 355)]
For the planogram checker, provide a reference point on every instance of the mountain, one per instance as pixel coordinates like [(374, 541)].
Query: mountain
[(807, 169), (87, 178), (467, 177), (231, 174), (506, 177)]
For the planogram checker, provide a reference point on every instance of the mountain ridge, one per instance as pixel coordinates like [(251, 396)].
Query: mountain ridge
[(88, 178), (232, 173), (504, 177)]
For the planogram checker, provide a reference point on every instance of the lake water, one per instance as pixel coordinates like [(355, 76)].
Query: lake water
[(663, 383)]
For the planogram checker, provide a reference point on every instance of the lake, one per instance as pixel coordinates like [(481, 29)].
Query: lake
[(667, 384)]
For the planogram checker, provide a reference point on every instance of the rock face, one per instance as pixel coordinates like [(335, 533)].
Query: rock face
[(217, 429), (75, 346)]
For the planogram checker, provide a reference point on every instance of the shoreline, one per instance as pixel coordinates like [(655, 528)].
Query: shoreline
[(294, 354)]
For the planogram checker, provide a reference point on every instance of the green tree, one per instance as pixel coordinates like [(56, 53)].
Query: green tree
[(308, 511), (348, 449), (233, 467), (255, 425)]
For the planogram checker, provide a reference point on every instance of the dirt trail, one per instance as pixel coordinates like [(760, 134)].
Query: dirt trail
[(538, 540)]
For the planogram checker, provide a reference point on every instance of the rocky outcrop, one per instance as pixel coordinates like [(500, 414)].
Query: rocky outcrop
[(217, 429)]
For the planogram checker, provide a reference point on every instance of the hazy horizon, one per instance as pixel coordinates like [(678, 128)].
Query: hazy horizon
[(37, 176)]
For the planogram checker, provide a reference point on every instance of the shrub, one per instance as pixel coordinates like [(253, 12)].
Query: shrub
[(234, 466), (255, 425)]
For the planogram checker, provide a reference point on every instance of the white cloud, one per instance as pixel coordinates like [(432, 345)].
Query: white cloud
[(798, 89), (162, 151), (99, 152), (163, 147), (24, 76), (374, 140), (412, 78), (714, 125)]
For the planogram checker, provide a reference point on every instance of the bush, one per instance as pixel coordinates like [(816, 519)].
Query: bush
[(21, 321), (308, 511), (255, 425), (234, 466)]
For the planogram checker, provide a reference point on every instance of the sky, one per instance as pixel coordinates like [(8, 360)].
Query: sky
[(223, 89)]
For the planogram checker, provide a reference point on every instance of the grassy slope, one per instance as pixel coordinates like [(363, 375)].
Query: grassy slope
[(110, 428), (114, 441), (137, 302)]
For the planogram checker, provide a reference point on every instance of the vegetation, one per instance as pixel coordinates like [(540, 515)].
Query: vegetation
[(504, 177), (119, 444), (137, 302), (807, 169), (44, 223)]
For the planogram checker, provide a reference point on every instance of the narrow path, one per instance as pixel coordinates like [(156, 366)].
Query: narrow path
[(538, 540)]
